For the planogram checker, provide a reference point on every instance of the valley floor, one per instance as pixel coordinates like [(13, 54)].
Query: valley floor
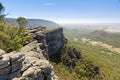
[(109, 63), (98, 46)]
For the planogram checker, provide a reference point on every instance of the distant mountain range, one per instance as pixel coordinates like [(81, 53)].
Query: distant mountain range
[(35, 22)]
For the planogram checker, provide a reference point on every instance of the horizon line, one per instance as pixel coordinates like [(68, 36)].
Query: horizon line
[(74, 21)]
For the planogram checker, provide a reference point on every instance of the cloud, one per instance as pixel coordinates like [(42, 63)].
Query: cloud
[(48, 4)]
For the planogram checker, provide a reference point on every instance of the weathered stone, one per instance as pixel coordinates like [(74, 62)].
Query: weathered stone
[(14, 74), (5, 70), (55, 40), (10, 65), (28, 72), (16, 57), (33, 63), (16, 66), (2, 52), (4, 62)]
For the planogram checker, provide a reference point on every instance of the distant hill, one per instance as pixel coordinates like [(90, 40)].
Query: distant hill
[(106, 37), (35, 22)]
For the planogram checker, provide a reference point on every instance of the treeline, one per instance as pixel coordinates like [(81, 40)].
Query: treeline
[(12, 37)]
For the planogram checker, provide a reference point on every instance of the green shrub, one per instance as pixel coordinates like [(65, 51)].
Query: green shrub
[(12, 37)]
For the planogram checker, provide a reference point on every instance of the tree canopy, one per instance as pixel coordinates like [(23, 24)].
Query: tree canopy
[(21, 21), (1, 8)]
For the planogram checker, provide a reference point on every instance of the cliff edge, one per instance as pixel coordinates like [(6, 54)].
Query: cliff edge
[(32, 61)]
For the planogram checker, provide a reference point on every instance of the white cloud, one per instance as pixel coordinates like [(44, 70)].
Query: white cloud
[(48, 4)]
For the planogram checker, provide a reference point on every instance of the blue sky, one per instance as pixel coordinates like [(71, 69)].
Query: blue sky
[(65, 11)]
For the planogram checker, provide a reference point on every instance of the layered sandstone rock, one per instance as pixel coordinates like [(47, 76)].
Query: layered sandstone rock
[(35, 65), (55, 40), (32, 61), (10, 65)]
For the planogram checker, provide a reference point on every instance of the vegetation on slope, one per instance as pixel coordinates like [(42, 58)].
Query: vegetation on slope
[(94, 34), (69, 64), (105, 59)]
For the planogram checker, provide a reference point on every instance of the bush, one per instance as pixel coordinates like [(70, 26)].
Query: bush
[(12, 37)]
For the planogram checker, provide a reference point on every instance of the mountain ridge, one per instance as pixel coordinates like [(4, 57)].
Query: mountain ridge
[(36, 22)]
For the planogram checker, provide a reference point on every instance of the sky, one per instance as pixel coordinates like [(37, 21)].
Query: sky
[(65, 11)]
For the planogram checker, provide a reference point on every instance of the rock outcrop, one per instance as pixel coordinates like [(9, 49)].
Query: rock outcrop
[(32, 61), (55, 40), (35, 65), (11, 65)]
